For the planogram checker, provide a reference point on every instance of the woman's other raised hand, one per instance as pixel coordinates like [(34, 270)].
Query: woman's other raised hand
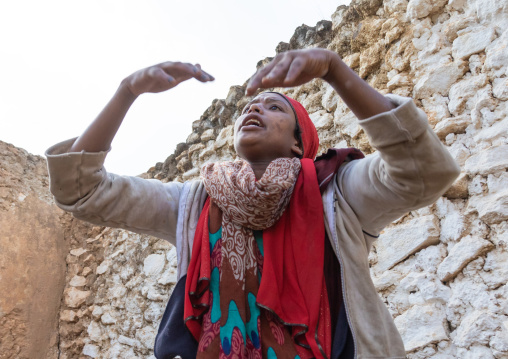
[(164, 76), (293, 68)]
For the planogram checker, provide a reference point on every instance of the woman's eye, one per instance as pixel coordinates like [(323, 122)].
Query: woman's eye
[(274, 107)]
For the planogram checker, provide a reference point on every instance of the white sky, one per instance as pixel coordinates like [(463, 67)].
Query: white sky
[(61, 61)]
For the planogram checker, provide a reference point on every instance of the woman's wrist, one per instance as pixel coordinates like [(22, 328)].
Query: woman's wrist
[(336, 70), (125, 92)]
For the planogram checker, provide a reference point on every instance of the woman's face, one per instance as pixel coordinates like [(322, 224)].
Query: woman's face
[(265, 130)]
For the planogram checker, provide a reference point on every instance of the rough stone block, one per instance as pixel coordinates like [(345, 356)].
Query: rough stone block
[(421, 326), (459, 188), (322, 120), (391, 6), (500, 88), (436, 108), (387, 279), (196, 147), (493, 132), (68, 316), (77, 281), (416, 9), (129, 341), (488, 161), (346, 121), (146, 336), (398, 80), (78, 251), (461, 91), (74, 297), (168, 277), (496, 58), (103, 267), (193, 138), (94, 331), (472, 42), (91, 350), (398, 243), (475, 352), (495, 269), (107, 319), (154, 264), (452, 125), (476, 328), (190, 174), (468, 249), (438, 80), (207, 135), (234, 95), (492, 208), (499, 342), (225, 136), (330, 98)]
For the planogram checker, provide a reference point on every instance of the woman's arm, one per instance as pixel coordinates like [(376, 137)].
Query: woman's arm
[(411, 168), (82, 186), (158, 78)]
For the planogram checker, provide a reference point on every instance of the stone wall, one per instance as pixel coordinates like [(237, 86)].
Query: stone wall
[(32, 258), (442, 270)]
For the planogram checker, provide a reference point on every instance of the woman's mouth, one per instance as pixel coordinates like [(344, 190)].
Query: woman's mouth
[(252, 122)]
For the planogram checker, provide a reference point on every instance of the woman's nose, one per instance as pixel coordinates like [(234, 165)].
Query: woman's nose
[(255, 107)]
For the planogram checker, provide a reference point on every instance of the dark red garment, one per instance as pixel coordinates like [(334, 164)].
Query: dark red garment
[(327, 164)]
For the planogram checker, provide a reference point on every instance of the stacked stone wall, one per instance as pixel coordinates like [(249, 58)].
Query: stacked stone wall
[(442, 270)]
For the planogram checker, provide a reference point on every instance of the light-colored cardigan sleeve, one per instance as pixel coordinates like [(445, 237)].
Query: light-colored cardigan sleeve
[(410, 169), (81, 185)]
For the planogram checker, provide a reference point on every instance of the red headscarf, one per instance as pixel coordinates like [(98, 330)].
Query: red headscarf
[(310, 139)]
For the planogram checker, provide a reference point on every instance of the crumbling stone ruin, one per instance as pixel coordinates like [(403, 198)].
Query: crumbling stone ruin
[(441, 270)]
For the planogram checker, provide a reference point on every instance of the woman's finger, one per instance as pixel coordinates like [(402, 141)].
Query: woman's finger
[(183, 71), (163, 81), (202, 75), (180, 69), (295, 69), (256, 81), (278, 73)]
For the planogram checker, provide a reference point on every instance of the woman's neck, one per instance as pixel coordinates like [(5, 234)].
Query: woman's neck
[(259, 167)]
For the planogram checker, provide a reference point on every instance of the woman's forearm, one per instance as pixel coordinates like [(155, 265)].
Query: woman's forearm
[(99, 135), (358, 95)]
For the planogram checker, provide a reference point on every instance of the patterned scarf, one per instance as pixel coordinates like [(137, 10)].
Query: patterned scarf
[(286, 205)]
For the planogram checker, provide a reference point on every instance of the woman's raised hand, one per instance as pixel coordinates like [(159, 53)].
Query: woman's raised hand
[(163, 76), (157, 78), (293, 68)]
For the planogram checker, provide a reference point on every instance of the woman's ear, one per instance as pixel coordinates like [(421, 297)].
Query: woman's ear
[(297, 150)]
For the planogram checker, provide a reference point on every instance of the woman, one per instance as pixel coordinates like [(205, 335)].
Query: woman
[(272, 250)]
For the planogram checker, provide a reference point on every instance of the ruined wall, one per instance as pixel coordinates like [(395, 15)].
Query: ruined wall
[(32, 258), (441, 270)]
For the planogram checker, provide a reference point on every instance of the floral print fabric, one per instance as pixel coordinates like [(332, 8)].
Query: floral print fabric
[(232, 333)]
